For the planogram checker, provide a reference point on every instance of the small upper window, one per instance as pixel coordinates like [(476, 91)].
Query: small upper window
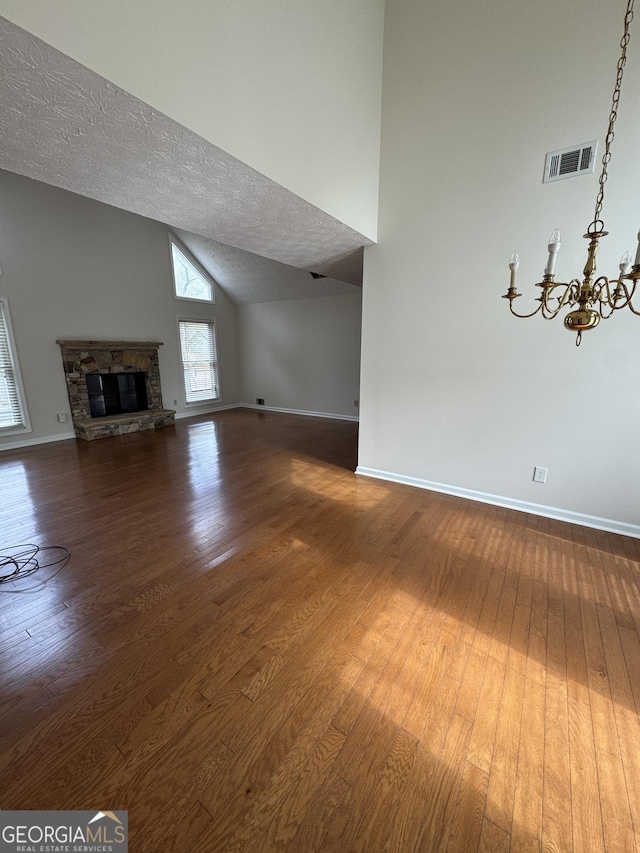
[(189, 279)]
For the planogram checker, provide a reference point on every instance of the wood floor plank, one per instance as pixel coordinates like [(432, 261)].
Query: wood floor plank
[(359, 697), (426, 689), (319, 815), (631, 652), (485, 720), (275, 816), (292, 682), (585, 801), (616, 817), (390, 785), (471, 683), (556, 812), (493, 839), (276, 753), (467, 819), (152, 822), (577, 678), (482, 561), (526, 829), (392, 656), (628, 735), (503, 772), (347, 818), (252, 648), (443, 795), (288, 818), (407, 820), (602, 714)]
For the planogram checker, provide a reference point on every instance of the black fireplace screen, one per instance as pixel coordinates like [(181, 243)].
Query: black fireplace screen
[(116, 393)]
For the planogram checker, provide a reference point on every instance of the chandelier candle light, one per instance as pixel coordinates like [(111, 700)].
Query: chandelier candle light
[(594, 298)]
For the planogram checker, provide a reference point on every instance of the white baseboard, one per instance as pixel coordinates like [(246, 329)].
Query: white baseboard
[(608, 524), (208, 411), (29, 442), (300, 412)]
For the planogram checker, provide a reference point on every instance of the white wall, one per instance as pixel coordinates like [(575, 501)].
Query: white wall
[(77, 269), (290, 87), (302, 354), (454, 390)]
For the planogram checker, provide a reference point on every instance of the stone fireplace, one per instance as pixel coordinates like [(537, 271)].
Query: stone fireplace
[(108, 359)]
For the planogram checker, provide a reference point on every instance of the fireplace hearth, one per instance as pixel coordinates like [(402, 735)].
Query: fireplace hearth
[(113, 387)]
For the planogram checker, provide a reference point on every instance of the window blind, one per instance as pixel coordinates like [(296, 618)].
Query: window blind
[(12, 412), (198, 345)]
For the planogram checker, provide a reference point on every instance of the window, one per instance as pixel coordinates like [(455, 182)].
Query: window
[(13, 412), (190, 281), (198, 346)]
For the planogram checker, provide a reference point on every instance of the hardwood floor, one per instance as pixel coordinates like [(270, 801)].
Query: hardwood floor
[(253, 649)]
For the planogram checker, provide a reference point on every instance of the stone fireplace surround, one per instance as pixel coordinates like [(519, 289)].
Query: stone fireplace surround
[(82, 357)]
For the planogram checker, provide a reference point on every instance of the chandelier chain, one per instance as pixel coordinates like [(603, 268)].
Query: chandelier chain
[(598, 224)]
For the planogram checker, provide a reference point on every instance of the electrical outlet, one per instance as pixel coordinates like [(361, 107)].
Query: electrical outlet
[(259, 401), (540, 475), (356, 402), (62, 417)]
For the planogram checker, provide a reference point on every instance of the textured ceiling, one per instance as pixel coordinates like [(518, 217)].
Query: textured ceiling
[(65, 125), (247, 278)]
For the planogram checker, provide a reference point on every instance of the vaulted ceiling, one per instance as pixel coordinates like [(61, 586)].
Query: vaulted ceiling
[(248, 278), (62, 124)]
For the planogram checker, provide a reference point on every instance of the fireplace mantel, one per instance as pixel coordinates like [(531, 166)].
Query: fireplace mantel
[(82, 357), (104, 345)]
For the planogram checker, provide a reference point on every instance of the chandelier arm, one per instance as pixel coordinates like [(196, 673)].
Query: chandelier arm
[(523, 316), (627, 301), (601, 306), (602, 294), (631, 294), (620, 297), (568, 297), (549, 313), (628, 296)]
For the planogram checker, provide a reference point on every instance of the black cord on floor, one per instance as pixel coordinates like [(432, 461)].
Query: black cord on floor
[(20, 561)]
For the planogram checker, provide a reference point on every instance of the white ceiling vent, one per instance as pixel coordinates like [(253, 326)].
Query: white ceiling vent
[(569, 162)]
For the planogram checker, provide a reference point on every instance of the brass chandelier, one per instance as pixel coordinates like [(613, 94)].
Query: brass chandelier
[(593, 298)]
